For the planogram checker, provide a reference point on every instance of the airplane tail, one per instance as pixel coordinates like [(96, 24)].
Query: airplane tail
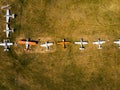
[(13, 16), (100, 47), (12, 30), (81, 48), (119, 46), (6, 49), (4, 31), (47, 49), (64, 46), (28, 50)]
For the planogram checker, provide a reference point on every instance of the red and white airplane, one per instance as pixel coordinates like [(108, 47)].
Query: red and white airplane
[(27, 43), (64, 42)]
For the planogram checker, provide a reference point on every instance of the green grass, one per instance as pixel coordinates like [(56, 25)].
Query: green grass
[(62, 69)]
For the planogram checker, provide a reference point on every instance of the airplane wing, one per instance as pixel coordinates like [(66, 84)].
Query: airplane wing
[(9, 44), (116, 42), (77, 42), (84, 42), (24, 42), (50, 44), (67, 42), (63, 43), (101, 42), (32, 43), (60, 43), (81, 43), (2, 44), (97, 42), (43, 45)]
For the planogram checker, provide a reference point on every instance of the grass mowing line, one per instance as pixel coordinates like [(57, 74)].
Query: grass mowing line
[(70, 68)]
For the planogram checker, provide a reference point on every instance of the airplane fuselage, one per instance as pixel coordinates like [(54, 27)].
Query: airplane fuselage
[(27, 45)]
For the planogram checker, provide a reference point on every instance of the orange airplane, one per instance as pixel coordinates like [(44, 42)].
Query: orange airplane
[(63, 42), (28, 43)]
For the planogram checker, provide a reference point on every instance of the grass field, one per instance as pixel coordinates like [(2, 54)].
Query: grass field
[(69, 69)]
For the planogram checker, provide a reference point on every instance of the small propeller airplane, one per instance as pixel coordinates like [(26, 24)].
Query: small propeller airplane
[(81, 42), (99, 43), (8, 15), (47, 45), (64, 42), (8, 30), (117, 42), (27, 43), (6, 43)]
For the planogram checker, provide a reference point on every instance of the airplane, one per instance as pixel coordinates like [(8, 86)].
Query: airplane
[(81, 42), (5, 6), (64, 42), (8, 30), (99, 43), (117, 42), (8, 15), (27, 43), (6, 43), (47, 45)]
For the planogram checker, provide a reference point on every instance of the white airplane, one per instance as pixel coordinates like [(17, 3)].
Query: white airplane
[(47, 45), (117, 42), (6, 44), (8, 15), (99, 43), (8, 30), (81, 42), (5, 6)]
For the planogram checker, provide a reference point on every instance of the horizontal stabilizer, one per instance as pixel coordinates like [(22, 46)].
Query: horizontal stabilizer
[(6, 49)]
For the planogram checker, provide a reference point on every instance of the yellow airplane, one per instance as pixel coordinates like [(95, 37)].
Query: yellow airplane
[(64, 42)]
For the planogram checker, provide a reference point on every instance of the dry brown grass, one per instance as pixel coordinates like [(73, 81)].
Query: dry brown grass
[(64, 69)]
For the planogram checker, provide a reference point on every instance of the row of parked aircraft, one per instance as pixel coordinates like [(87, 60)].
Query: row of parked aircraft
[(6, 42), (8, 16), (29, 42)]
